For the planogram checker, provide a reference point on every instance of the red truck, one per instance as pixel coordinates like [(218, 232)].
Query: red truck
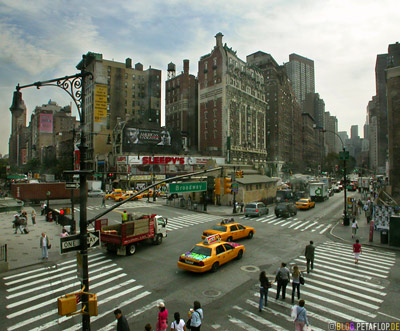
[(123, 238), (37, 192)]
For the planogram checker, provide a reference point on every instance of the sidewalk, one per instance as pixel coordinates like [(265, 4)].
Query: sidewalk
[(24, 249)]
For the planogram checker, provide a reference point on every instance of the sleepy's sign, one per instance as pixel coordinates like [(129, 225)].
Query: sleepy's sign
[(162, 160)]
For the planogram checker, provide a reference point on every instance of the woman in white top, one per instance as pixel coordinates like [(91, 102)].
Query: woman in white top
[(178, 324), (354, 227)]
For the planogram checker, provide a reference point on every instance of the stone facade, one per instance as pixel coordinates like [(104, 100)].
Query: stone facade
[(231, 107)]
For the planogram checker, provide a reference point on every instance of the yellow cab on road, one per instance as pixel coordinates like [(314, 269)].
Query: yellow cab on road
[(116, 193), (210, 255), (229, 230), (305, 203), (127, 195)]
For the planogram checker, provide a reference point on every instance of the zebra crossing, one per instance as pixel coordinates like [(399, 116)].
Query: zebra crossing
[(292, 223), (337, 290), (31, 298), (130, 205), (180, 222)]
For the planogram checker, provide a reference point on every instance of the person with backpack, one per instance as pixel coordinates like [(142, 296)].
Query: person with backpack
[(265, 284), (196, 317), (282, 278), (178, 324)]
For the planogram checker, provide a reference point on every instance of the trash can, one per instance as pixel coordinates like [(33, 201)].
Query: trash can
[(384, 237)]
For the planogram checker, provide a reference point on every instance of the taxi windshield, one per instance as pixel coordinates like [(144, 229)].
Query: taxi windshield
[(303, 200), (219, 228), (201, 250)]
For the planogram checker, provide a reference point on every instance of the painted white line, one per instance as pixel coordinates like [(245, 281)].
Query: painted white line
[(286, 223), (309, 226), (244, 325), (294, 224), (301, 225), (288, 318), (365, 282), (343, 290), (396, 318), (274, 220), (316, 228), (324, 230), (389, 255), (258, 319), (334, 302), (350, 259), (351, 266), (281, 221), (270, 219), (370, 254)]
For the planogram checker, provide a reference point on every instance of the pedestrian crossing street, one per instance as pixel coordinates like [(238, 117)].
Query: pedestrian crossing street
[(292, 223), (337, 290), (31, 299)]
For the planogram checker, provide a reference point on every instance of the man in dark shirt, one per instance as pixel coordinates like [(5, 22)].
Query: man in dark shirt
[(309, 254), (122, 324)]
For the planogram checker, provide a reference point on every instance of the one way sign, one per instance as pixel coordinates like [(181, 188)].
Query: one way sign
[(73, 243)]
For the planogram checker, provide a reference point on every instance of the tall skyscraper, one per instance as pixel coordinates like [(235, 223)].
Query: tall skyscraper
[(301, 74)]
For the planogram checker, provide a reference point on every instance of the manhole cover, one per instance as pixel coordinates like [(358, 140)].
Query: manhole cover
[(250, 268), (212, 293)]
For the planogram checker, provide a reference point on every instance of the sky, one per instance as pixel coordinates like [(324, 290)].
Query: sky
[(45, 39)]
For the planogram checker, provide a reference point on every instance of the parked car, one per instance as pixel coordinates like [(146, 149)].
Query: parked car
[(285, 209), (95, 193), (255, 209)]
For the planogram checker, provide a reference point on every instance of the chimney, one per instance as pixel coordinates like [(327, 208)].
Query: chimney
[(219, 39), (186, 66), (128, 63)]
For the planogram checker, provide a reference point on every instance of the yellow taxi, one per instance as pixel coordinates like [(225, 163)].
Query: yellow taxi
[(305, 204), (116, 193), (127, 195), (229, 230), (149, 192), (210, 255)]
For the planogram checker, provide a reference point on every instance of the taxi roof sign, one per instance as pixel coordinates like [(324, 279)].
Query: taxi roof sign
[(212, 239)]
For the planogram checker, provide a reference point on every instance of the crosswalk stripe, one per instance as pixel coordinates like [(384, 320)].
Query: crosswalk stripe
[(274, 220), (343, 263), (288, 318), (325, 229), (334, 302), (348, 252), (350, 258), (244, 325), (342, 289), (286, 223), (390, 255), (301, 225), (294, 224), (271, 217), (309, 226), (316, 228), (258, 319), (281, 221)]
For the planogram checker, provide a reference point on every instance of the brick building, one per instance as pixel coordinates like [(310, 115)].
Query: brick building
[(231, 107)]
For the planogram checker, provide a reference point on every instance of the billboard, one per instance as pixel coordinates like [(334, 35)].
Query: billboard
[(154, 140), (100, 103), (46, 123)]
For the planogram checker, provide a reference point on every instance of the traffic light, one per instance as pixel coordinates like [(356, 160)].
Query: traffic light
[(217, 186), (239, 174), (227, 185), (62, 212)]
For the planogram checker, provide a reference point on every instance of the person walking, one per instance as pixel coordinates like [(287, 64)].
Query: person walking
[(44, 245), (33, 216), (122, 323), (17, 224), (196, 317), (124, 216), (357, 251), (178, 324), (309, 254), (283, 278), (299, 314), (162, 323), (354, 228), (264, 286), (103, 201), (296, 274)]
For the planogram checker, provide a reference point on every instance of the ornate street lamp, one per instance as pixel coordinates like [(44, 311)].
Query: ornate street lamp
[(75, 86)]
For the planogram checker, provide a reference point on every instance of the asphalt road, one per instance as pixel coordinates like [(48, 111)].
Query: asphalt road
[(336, 291)]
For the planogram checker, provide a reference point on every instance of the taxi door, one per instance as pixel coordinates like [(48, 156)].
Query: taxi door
[(229, 252), (220, 254), (235, 233)]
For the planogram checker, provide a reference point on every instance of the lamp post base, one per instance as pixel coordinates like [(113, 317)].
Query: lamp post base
[(346, 220)]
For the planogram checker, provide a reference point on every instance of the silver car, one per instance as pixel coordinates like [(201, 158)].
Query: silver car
[(255, 209)]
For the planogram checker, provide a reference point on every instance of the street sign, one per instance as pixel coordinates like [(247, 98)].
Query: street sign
[(73, 243), (72, 185), (235, 187), (187, 187), (344, 155)]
